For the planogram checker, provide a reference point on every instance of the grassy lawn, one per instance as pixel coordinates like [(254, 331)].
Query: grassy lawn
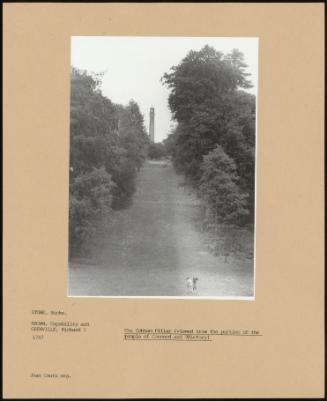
[(155, 244)]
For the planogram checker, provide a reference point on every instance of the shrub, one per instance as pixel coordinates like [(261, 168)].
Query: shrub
[(89, 208), (219, 188), (156, 151)]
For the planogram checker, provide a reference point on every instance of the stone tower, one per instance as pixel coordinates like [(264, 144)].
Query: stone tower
[(151, 127)]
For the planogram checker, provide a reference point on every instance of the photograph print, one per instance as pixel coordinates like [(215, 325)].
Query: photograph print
[(162, 167)]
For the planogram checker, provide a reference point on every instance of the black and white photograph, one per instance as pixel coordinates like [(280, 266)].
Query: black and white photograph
[(162, 169)]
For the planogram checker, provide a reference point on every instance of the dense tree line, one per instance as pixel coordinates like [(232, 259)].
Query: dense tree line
[(156, 151), (108, 144), (213, 143)]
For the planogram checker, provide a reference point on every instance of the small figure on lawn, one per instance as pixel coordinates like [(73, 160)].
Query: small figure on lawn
[(191, 282)]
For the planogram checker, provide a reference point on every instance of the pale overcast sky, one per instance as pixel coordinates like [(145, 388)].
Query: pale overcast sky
[(134, 66)]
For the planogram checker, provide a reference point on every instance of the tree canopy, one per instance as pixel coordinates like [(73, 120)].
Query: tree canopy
[(108, 144), (211, 107)]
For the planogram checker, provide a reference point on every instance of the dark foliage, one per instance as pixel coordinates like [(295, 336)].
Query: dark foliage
[(108, 144), (216, 122), (156, 151)]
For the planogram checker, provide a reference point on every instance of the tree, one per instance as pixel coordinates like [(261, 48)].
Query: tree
[(169, 144), (132, 133), (134, 141), (203, 81), (204, 98), (93, 124), (220, 190), (211, 109), (156, 151), (238, 142), (107, 146), (90, 208)]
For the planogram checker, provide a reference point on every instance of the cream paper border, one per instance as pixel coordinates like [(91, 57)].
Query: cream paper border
[(288, 359)]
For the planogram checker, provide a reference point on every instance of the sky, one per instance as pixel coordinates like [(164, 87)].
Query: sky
[(134, 65)]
